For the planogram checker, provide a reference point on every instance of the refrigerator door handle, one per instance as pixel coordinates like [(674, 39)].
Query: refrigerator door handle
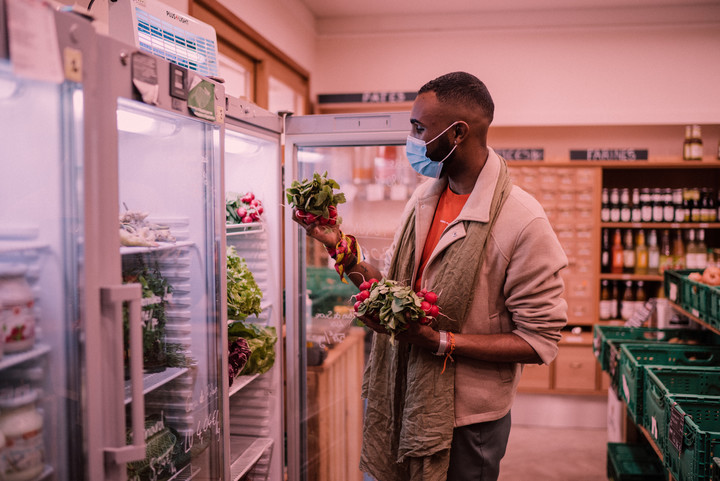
[(132, 294)]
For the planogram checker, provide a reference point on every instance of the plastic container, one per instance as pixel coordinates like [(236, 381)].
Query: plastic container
[(17, 320), (662, 382), (22, 425), (633, 462), (634, 358), (699, 439)]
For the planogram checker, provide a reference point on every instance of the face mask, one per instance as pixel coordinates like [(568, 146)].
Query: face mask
[(416, 151)]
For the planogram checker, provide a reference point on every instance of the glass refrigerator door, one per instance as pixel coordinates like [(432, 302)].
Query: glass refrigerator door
[(253, 189), (169, 183), (326, 347), (41, 254)]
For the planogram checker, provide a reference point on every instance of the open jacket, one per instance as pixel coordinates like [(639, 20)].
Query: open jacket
[(519, 288)]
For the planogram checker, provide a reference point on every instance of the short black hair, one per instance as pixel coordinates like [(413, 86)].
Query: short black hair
[(463, 88)]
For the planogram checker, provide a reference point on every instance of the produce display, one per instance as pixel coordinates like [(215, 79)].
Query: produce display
[(238, 355), (315, 200), (261, 342), (243, 293), (242, 209), (156, 292), (710, 276), (395, 305), (135, 230)]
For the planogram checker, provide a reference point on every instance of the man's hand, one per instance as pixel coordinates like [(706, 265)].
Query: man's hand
[(328, 235)]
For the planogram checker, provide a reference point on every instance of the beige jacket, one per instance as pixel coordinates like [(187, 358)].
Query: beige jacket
[(520, 289)]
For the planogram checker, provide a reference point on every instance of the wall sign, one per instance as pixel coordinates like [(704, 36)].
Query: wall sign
[(609, 154), (521, 154), (367, 98)]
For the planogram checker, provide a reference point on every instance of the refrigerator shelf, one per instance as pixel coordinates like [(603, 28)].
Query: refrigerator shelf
[(240, 229), (240, 382), (19, 246), (154, 380), (185, 474), (11, 359), (162, 246), (250, 451)]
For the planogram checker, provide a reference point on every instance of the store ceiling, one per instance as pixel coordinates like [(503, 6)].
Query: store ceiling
[(325, 9)]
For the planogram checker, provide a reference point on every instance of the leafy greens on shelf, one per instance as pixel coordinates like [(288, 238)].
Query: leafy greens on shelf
[(243, 293)]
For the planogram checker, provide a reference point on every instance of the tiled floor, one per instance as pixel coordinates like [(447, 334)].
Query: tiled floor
[(555, 454)]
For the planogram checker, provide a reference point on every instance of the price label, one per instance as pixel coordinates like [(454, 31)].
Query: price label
[(676, 428)]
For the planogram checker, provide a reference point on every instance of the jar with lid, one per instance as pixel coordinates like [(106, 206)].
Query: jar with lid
[(17, 319), (21, 423)]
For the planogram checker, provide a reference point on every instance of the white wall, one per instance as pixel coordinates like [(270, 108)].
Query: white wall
[(540, 76), (287, 24)]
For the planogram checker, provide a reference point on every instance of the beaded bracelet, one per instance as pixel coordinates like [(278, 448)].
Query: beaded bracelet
[(347, 254)]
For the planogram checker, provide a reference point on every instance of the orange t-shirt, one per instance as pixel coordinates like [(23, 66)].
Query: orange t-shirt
[(448, 208)]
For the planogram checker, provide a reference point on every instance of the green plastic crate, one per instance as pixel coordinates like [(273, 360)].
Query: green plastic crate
[(696, 298), (633, 462), (661, 382), (635, 357), (608, 339), (700, 441), (672, 283), (714, 306)]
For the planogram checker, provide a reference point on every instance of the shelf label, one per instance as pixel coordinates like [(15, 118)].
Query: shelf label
[(609, 154)]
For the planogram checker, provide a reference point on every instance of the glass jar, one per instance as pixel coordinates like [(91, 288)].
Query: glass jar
[(17, 319), (21, 423)]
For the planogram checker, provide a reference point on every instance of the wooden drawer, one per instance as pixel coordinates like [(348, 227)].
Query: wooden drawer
[(535, 377), (575, 368)]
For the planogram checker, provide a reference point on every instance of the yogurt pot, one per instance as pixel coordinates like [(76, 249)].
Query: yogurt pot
[(17, 318), (21, 425)]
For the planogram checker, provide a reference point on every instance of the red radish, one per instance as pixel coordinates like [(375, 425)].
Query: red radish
[(254, 203), (247, 219), (364, 286), (373, 281), (421, 293), (434, 310), (332, 221), (431, 297), (310, 218), (425, 306), (362, 295), (259, 210), (241, 212), (357, 305)]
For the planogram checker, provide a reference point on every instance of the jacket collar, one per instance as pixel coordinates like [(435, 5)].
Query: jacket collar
[(477, 207)]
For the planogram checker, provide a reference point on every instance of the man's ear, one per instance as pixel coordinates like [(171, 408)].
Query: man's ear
[(461, 131)]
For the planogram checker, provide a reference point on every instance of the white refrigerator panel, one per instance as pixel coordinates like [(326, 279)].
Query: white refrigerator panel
[(255, 415), (326, 348), (40, 263)]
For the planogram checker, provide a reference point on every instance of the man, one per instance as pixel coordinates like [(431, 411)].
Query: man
[(439, 399)]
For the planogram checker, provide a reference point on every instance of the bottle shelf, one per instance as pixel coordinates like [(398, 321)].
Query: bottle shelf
[(632, 277), (661, 225)]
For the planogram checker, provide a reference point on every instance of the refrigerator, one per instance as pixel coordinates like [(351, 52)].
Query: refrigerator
[(301, 420), (45, 303), (160, 240), (326, 348), (253, 184)]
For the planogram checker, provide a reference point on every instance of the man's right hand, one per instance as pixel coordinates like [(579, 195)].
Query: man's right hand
[(328, 235)]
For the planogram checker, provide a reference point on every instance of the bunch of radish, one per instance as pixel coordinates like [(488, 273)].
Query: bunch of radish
[(243, 209), (395, 305), (314, 199)]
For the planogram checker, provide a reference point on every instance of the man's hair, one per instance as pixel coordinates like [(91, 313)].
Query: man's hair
[(461, 88)]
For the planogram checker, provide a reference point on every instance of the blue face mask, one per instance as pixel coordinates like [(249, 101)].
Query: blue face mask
[(416, 151)]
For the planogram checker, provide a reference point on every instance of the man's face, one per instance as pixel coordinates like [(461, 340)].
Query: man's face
[(428, 119)]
